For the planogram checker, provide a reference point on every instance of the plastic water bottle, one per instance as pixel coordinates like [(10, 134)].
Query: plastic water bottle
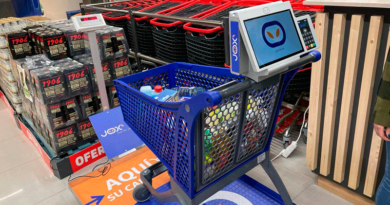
[(151, 92), (186, 92)]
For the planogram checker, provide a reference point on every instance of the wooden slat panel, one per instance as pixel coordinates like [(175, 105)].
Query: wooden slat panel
[(351, 68), (375, 154), (336, 53), (369, 70), (373, 165), (343, 192), (316, 92)]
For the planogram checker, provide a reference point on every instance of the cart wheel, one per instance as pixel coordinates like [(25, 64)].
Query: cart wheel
[(141, 193), (286, 144)]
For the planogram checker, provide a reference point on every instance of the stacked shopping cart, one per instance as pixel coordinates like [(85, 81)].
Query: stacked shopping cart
[(169, 37)]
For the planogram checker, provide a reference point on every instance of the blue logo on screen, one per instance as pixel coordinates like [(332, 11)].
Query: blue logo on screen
[(274, 34)]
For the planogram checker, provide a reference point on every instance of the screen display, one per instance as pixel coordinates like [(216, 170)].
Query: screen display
[(273, 37), (89, 18)]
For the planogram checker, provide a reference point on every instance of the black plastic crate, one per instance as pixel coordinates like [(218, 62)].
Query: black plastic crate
[(206, 51), (170, 44), (122, 23), (144, 37), (193, 10), (161, 7)]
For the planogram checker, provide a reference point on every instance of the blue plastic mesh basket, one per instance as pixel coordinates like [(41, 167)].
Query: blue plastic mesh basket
[(217, 135)]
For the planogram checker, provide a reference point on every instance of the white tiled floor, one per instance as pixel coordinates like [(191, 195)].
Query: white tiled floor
[(25, 179)]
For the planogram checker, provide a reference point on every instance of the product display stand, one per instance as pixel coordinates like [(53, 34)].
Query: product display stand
[(61, 167)]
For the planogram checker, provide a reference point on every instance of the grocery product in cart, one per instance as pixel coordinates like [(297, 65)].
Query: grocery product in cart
[(210, 140), (206, 44), (169, 37)]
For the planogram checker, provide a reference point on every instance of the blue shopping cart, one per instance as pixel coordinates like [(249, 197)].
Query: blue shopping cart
[(208, 141)]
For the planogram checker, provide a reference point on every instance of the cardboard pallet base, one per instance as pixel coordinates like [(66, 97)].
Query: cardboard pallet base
[(61, 167)]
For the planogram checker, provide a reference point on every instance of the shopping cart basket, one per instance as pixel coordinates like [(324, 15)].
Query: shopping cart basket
[(169, 37), (210, 140), (144, 28), (205, 44)]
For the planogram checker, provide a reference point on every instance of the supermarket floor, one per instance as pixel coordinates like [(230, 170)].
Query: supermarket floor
[(25, 179)]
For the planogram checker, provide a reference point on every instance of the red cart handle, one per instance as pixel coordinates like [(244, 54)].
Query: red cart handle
[(116, 18), (141, 18), (154, 22), (188, 27)]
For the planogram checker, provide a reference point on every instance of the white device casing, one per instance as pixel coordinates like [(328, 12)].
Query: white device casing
[(251, 69), (308, 18), (92, 25)]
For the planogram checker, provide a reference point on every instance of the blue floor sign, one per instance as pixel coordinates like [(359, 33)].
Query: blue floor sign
[(113, 133)]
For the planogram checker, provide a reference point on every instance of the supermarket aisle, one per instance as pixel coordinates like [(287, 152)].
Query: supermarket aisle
[(25, 179)]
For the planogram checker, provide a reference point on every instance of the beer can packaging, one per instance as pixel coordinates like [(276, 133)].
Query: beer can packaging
[(98, 101), (50, 85), (75, 41), (105, 44), (120, 67), (19, 44), (119, 41), (76, 77), (24, 67), (32, 32), (113, 97), (54, 45), (88, 105), (106, 68), (72, 111), (60, 114), (86, 131), (64, 139), (82, 56)]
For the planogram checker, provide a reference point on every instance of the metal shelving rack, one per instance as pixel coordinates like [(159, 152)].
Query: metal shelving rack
[(135, 53)]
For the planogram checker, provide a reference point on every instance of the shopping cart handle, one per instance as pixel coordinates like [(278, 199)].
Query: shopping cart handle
[(236, 88), (147, 177), (312, 56)]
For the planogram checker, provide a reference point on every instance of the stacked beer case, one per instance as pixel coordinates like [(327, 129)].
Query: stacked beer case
[(7, 78), (57, 82)]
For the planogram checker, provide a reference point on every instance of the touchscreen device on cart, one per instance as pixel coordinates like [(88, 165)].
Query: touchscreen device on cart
[(265, 39)]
